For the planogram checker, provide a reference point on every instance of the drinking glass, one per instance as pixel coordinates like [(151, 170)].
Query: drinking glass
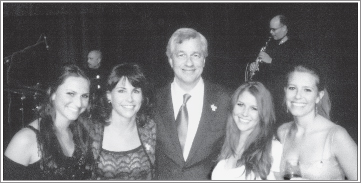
[(292, 170)]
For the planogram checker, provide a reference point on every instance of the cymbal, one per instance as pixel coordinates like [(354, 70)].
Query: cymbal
[(23, 91), (35, 88), (15, 84), (31, 88)]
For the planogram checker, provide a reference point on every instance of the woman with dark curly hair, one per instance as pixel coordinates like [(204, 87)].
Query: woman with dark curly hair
[(122, 130), (250, 151), (55, 146)]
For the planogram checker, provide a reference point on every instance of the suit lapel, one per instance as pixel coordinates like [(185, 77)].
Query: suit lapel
[(167, 115), (206, 118)]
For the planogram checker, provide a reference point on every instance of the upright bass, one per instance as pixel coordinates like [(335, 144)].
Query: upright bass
[(250, 72)]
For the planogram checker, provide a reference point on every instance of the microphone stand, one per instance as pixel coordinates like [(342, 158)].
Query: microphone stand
[(7, 60)]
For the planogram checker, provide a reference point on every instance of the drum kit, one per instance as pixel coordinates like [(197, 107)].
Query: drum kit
[(22, 87), (23, 92)]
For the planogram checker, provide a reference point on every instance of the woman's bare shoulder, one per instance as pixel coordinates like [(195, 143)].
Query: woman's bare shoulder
[(22, 146), (282, 130)]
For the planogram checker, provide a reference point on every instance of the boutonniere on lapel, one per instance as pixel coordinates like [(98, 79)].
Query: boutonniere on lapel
[(214, 108), (147, 147)]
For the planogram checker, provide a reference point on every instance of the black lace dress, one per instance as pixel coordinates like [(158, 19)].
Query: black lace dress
[(123, 165)]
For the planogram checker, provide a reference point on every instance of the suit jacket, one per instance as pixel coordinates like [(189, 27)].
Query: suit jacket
[(207, 143)]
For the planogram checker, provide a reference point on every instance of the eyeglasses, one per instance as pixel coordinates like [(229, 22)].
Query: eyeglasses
[(274, 29)]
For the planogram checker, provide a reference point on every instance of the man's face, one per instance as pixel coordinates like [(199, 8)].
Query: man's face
[(187, 62), (94, 60), (277, 30)]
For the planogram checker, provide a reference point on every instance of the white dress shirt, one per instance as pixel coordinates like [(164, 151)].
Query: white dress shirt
[(194, 108)]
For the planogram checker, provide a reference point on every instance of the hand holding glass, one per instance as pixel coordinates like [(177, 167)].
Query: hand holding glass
[(292, 170)]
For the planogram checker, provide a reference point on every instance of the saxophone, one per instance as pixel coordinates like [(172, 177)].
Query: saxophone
[(249, 73)]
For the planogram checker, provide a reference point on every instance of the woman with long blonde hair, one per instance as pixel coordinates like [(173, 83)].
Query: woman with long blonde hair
[(324, 150)]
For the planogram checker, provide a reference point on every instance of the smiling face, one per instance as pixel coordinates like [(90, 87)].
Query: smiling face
[(187, 62), (71, 98), (302, 93), (245, 112), (126, 100)]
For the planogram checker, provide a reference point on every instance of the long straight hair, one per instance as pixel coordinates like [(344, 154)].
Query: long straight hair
[(257, 154)]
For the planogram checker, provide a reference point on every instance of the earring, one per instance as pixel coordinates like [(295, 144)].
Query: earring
[(109, 101), (316, 110), (287, 110)]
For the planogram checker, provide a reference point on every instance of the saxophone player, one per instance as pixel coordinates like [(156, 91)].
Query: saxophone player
[(282, 52)]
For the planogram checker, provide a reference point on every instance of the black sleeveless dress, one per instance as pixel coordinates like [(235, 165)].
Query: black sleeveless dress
[(77, 167)]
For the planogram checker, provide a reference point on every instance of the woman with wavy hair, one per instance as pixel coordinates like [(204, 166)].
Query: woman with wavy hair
[(55, 146), (250, 151), (122, 129)]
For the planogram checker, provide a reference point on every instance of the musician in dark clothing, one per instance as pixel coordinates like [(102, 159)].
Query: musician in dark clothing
[(97, 72), (281, 53)]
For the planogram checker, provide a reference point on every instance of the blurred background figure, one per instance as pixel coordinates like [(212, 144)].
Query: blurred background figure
[(97, 72), (94, 59)]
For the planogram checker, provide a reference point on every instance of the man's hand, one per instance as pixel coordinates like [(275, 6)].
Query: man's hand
[(264, 57), (253, 66)]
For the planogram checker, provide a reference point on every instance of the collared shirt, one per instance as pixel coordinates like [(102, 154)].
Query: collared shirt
[(194, 108)]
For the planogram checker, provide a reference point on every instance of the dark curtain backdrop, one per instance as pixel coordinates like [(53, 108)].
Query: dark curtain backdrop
[(139, 32)]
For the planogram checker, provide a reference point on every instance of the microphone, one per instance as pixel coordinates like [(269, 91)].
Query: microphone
[(46, 43)]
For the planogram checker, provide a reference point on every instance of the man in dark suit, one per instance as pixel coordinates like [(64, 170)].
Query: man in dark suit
[(189, 152)]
